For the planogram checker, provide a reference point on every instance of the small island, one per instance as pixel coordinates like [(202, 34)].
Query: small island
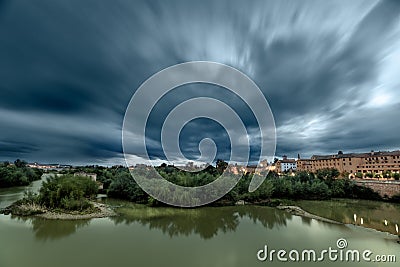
[(62, 197)]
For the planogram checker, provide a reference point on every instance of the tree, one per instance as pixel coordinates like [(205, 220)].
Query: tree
[(124, 187), (377, 175), (221, 166), (11, 175), (387, 174), (320, 190), (19, 163), (328, 174), (303, 176), (369, 175)]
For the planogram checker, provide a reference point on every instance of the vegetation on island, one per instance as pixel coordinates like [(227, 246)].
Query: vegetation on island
[(17, 174), (65, 193)]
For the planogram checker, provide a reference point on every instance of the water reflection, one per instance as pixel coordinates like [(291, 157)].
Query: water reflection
[(372, 213), (44, 229), (11, 194), (205, 222)]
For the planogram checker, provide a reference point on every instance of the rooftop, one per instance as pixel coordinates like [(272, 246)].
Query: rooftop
[(357, 155)]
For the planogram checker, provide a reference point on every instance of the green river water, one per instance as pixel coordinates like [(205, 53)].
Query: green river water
[(209, 236)]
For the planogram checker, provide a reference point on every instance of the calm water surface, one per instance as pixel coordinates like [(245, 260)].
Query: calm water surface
[(143, 236), (372, 213)]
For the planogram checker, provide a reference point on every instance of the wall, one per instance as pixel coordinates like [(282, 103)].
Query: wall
[(383, 188)]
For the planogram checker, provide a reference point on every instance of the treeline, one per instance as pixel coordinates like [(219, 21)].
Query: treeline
[(17, 174), (324, 184)]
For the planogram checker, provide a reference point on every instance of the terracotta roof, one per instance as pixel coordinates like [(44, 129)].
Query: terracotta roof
[(357, 155)]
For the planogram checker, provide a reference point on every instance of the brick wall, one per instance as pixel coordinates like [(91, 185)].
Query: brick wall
[(383, 188)]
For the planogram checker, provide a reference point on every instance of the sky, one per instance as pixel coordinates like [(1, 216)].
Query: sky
[(68, 69)]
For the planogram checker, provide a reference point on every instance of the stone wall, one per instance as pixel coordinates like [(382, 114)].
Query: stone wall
[(382, 187)]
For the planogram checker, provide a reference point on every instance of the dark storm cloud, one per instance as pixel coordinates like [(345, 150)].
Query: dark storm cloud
[(308, 75), (69, 68), (12, 149)]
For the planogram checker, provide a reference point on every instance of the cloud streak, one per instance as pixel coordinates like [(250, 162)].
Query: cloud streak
[(69, 68)]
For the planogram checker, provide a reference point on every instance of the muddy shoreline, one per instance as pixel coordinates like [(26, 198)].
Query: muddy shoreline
[(295, 210), (103, 212)]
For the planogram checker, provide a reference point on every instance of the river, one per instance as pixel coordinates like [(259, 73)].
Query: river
[(209, 236)]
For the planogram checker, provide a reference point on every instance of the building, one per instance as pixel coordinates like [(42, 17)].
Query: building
[(49, 167), (286, 164), (353, 163), (263, 166)]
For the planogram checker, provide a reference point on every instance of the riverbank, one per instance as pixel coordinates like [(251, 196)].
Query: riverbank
[(295, 210), (103, 211), (99, 210)]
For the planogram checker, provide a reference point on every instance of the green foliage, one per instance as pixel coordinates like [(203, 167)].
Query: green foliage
[(221, 166), (19, 163), (396, 176), (67, 192), (387, 174), (377, 175), (328, 173), (369, 175), (264, 192), (123, 186), (30, 197), (303, 185), (18, 174)]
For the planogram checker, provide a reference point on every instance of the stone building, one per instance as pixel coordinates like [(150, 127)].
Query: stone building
[(353, 163)]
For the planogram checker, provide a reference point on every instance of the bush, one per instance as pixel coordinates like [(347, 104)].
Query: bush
[(369, 175), (67, 192), (72, 204), (387, 174)]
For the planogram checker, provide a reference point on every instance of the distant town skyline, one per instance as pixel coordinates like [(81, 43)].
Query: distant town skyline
[(329, 71)]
